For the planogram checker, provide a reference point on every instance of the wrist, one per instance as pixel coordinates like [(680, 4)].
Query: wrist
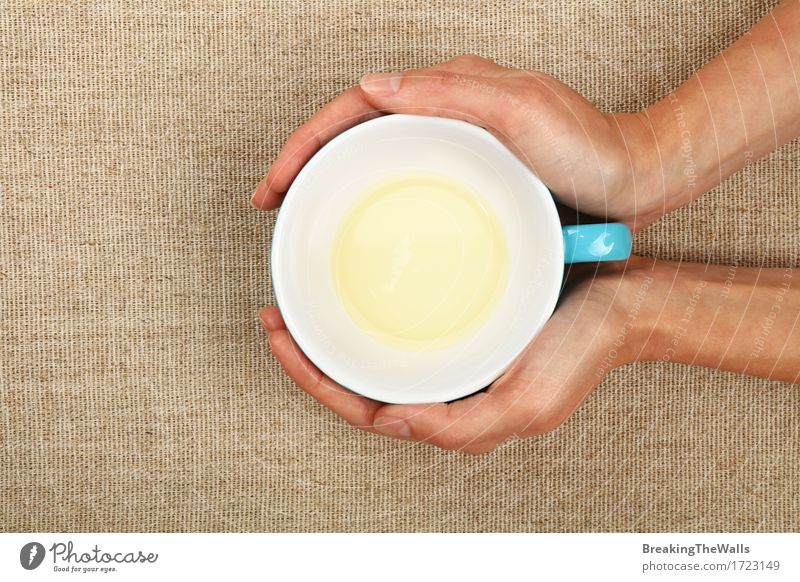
[(680, 153), (660, 312), (649, 306), (626, 292), (681, 308), (647, 183), (642, 296)]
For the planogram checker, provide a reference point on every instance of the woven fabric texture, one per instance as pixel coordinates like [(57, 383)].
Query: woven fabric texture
[(137, 392)]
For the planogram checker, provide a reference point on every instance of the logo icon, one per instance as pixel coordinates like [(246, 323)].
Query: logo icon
[(31, 555)]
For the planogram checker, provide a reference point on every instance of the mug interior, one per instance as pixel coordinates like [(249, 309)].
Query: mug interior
[(314, 207)]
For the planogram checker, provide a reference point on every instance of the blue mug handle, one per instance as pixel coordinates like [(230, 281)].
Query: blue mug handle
[(589, 243)]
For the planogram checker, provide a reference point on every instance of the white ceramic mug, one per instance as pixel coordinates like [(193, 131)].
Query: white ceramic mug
[(371, 152)]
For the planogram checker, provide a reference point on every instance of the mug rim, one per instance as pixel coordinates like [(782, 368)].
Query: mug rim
[(300, 335)]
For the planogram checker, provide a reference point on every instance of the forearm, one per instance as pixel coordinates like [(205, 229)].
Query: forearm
[(737, 108), (732, 318)]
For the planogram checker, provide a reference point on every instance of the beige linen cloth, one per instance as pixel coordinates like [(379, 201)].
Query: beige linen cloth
[(136, 388)]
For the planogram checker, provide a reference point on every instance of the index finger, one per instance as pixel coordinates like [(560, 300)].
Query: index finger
[(355, 409), (348, 109)]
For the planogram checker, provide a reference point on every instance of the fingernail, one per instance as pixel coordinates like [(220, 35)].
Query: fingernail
[(381, 84), (393, 427), (256, 194)]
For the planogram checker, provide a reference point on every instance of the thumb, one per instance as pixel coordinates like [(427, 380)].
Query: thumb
[(441, 93)]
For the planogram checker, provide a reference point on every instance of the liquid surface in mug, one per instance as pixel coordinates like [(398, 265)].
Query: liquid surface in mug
[(420, 261)]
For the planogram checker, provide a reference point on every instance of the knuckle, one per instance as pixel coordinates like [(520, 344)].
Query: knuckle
[(449, 440), (544, 423), (535, 419), (359, 425), (445, 80), (476, 450), (473, 59)]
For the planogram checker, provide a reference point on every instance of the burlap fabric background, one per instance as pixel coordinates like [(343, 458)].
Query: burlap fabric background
[(136, 389)]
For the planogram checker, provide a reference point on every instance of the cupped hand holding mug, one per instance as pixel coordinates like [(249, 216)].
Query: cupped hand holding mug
[(583, 155)]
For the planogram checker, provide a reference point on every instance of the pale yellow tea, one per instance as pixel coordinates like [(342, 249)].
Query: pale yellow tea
[(420, 261)]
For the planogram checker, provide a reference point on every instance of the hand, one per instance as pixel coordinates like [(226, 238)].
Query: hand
[(584, 156), (549, 380)]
